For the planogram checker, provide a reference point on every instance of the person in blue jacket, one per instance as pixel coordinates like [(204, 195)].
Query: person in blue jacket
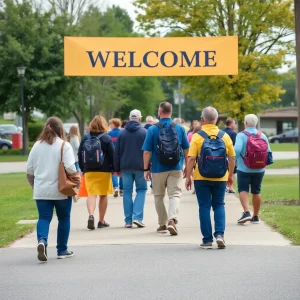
[(115, 125), (130, 166)]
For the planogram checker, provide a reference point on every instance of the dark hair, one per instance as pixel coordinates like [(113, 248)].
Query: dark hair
[(124, 123), (229, 121), (166, 107), (53, 129)]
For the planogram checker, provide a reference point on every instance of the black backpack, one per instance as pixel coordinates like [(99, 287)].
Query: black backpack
[(92, 153), (168, 145)]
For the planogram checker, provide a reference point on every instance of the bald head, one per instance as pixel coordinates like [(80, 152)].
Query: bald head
[(209, 115)]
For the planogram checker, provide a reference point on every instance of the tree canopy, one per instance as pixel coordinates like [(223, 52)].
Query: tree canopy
[(263, 28)]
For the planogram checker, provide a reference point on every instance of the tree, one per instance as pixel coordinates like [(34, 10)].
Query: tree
[(289, 85), (34, 39), (263, 28)]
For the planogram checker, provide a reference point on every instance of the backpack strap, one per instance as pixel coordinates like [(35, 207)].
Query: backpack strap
[(246, 132), (203, 134), (173, 125), (220, 134), (88, 136), (159, 125), (259, 133), (99, 136)]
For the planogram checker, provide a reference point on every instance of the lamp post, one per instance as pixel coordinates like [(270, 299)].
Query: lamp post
[(21, 73), (297, 31)]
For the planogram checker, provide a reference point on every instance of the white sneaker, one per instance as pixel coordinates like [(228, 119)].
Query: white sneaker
[(220, 242), (139, 224)]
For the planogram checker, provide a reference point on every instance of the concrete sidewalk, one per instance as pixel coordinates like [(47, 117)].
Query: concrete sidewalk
[(189, 232)]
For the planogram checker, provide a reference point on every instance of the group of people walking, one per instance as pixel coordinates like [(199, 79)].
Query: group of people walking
[(113, 162)]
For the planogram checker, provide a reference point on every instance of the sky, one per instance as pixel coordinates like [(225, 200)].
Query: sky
[(126, 4)]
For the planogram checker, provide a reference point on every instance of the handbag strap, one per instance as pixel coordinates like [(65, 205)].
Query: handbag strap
[(62, 150)]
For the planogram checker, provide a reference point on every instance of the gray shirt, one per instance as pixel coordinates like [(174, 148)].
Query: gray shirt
[(74, 141)]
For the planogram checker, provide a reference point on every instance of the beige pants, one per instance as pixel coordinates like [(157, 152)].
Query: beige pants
[(171, 181)]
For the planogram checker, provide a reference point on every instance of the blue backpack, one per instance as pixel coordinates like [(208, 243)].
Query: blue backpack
[(92, 153), (212, 161), (168, 145)]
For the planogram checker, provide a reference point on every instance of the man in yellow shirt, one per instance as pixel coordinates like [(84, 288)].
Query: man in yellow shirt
[(210, 191)]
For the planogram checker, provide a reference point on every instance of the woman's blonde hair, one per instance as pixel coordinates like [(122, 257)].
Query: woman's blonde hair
[(74, 131), (98, 124)]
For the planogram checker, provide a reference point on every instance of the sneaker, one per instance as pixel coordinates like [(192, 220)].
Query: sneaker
[(42, 251), (172, 228), (116, 193), (231, 192), (220, 242), (162, 229), (255, 220), (128, 225), (226, 190), (121, 193), (206, 246), (66, 254), (103, 225), (91, 223), (245, 218), (139, 224)]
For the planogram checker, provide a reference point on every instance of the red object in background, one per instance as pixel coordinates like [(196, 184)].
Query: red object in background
[(16, 140), (82, 190)]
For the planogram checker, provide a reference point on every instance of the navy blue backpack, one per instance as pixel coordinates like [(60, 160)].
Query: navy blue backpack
[(93, 156), (168, 145), (212, 161)]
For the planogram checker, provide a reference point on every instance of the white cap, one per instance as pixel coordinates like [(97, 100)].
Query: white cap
[(135, 115)]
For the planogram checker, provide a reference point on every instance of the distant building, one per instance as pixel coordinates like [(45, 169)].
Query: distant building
[(278, 120)]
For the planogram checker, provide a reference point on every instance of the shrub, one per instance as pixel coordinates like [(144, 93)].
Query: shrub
[(34, 130)]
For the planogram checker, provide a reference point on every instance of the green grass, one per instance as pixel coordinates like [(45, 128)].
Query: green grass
[(13, 158), (285, 219), (16, 204), (281, 164), (2, 121), (284, 147), (280, 187)]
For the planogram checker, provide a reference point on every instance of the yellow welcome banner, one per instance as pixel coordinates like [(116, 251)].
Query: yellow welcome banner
[(180, 56)]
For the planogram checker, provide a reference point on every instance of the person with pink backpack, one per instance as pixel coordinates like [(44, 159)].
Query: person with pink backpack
[(253, 154)]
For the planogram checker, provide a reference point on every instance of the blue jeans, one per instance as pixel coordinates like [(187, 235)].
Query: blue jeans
[(115, 180), (63, 212), (134, 210), (211, 194), (121, 184)]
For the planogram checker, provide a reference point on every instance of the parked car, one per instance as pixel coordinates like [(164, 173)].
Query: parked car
[(290, 136), (8, 129), (5, 144)]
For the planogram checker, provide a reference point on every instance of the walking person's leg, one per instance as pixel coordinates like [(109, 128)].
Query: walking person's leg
[(159, 184), (103, 202), (174, 183), (45, 209), (115, 180), (218, 205), (91, 206), (204, 197), (127, 178), (121, 186), (256, 182), (244, 181), (139, 202), (63, 211)]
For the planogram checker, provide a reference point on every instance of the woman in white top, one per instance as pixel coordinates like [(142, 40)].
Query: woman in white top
[(42, 174), (74, 140)]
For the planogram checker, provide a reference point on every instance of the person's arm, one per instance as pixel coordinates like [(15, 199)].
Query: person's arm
[(80, 162), (69, 159), (238, 147), (231, 158), (117, 158), (76, 143), (147, 157), (30, 168), (191, 161)]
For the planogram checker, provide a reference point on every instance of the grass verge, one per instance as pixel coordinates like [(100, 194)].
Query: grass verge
[(284, 147), (285, 219), (280, 188), (284, 164), (13, 158), (16, 204)]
